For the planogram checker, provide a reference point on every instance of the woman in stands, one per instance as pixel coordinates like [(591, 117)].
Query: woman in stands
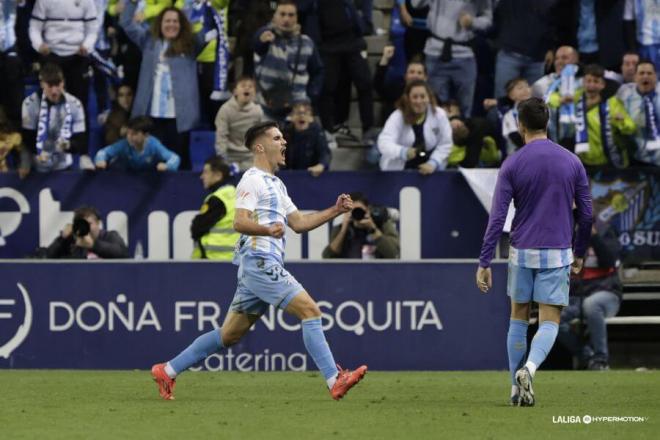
[(417, 135), (167, 88)]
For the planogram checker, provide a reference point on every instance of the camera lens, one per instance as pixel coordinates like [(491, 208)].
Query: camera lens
[(358, 214)]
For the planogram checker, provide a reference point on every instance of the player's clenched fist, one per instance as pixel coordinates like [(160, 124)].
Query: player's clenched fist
[(344, 203), (276, 230)]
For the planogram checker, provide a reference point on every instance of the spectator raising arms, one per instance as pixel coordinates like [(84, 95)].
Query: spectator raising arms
[(167, 89), (417, 135)]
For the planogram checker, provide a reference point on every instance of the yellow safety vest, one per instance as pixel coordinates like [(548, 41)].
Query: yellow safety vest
[(220, 240)]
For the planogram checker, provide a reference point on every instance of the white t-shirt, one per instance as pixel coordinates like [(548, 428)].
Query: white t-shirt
[(265, 195)]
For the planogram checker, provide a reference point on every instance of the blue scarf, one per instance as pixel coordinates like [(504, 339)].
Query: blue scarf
[(44, 122), (105, 65), (214, 20), (607, 138), (652, 136), (609, 147), (566, 84), (581, 134)]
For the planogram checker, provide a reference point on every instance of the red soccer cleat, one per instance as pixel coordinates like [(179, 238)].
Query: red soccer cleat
[(165, 383), (346, 379)]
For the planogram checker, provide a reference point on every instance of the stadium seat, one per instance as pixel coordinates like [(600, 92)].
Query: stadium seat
[(202, 146)]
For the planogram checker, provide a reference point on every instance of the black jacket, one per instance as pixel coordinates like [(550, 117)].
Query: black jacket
[(108, 244)]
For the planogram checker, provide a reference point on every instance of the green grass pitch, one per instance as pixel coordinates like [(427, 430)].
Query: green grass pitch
[(124, 405)]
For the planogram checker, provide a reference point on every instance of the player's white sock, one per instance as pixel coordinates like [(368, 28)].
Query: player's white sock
[(514, 390), (531, 366), (170, 371), (331, 381)]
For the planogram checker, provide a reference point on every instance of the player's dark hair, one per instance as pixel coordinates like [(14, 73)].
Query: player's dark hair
[(257, 130), (595, 70), (533, 114), (140, 123)]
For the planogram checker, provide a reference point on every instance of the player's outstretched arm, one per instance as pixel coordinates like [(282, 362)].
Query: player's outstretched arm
[(244, 224), (303, 223)]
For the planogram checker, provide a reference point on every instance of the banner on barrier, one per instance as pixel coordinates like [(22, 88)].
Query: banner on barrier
[(439, 215), (405, 316)]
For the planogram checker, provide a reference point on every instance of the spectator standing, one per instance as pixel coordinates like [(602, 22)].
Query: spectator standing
[(641, 101), (417, 32), (54, 124), (417, 135), (288, 66), (64, 32), (167, 88), (307, 147), (233, 120), (11, 68), (595, 28), (139, 151), (646, 18), (343, 50), (450, 61), (523, 49)]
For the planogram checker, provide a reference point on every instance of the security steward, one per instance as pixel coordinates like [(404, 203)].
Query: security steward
[(212, 229)]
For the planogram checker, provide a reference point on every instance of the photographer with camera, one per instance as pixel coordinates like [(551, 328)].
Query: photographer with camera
[(366, 232), (84, 239)]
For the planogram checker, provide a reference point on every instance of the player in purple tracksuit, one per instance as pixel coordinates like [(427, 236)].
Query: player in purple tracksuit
[(544, 180)]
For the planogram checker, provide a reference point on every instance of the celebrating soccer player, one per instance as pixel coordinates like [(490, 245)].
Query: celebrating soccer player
[(544, 180), (263, 209)]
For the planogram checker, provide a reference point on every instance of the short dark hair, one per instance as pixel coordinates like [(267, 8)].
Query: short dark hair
[(358, 196), (51, 74), (533, 114), (140, 123), (594, 70), (286, 3), (510, 84), (257, 130), (645, 61), (85, 211), (218, 165), (417, 59)]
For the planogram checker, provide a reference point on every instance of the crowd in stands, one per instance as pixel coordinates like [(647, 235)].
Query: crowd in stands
[(449, 80)]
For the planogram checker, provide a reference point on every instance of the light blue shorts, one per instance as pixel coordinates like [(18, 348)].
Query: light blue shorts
[(261, 283), (543, 286)]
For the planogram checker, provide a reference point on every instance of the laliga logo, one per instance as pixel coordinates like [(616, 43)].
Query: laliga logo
[(23, 329), (9, 221)]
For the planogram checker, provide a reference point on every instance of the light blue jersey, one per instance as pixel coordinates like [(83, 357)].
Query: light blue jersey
[(265, 195), (633, 102), (647, 15), (262, 279)]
